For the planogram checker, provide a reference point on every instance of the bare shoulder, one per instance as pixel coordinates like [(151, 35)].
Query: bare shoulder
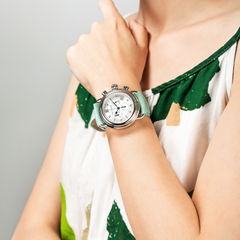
[(236, 74)]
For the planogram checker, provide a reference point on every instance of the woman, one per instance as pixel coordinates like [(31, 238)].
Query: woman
[(182, 56)]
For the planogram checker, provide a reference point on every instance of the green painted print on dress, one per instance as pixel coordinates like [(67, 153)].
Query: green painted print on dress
[(116, 226), (85, 103), (190, 92), (66, 231)]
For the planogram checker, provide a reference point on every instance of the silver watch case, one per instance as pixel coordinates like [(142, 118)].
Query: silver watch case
[(132, 119)]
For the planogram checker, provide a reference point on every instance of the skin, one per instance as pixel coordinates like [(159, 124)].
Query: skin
[(137, 57), (177, 34)]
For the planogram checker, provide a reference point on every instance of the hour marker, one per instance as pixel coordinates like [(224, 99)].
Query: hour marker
[(126, 116), (121, 98), (130, 105), (129, 111), (109, 116), (106, 110)]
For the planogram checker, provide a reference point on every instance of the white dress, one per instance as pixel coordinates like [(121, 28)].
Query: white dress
[(184, 111)]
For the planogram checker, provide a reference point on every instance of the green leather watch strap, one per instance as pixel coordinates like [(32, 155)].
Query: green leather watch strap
[(97, 116), (143, 102)]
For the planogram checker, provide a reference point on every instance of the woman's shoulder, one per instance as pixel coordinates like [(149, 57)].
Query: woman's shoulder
[(236, 74)]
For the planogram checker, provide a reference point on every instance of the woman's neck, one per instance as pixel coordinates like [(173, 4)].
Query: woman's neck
[(159, 16)]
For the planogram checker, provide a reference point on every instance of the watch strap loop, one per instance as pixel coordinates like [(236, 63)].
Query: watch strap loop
[(144, 104), (99, 121)]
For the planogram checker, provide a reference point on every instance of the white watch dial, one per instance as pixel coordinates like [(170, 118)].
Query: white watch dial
[(118, 108)]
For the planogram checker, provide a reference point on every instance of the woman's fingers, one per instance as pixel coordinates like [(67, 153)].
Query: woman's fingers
[(139, 32), (111, 14), (108, 9), (109, 52)]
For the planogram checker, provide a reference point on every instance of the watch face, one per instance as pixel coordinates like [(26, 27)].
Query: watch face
[(118, 107)]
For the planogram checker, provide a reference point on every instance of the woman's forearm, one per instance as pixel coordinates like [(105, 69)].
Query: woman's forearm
[(38, 232), (157, 205)]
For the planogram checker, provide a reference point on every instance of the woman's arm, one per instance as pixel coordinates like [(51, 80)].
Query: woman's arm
[(157, 205), (41, 216)]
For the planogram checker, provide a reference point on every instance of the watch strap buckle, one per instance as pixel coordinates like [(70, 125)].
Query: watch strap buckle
[(96, 127)]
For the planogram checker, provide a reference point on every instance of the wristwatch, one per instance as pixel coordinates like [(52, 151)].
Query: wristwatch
[(119, 108)]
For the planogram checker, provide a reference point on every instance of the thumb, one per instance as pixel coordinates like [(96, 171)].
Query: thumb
[(139, 32)]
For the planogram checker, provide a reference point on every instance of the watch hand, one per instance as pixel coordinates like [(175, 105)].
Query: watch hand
[(113, 102), (112, 109), (116, 110)]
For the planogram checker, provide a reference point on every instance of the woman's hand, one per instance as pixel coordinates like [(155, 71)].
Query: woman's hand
[(111, 53)]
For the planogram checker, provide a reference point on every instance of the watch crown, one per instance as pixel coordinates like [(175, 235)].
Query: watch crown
[(126, 88), (104, 92), (114, 86)]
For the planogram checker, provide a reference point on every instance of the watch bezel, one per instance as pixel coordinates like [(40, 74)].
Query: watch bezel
[(128, 122)]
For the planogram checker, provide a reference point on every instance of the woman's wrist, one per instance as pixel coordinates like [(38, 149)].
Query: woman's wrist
[(138, 124)]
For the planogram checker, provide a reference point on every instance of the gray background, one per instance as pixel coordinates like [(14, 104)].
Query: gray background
[(34, 37)]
